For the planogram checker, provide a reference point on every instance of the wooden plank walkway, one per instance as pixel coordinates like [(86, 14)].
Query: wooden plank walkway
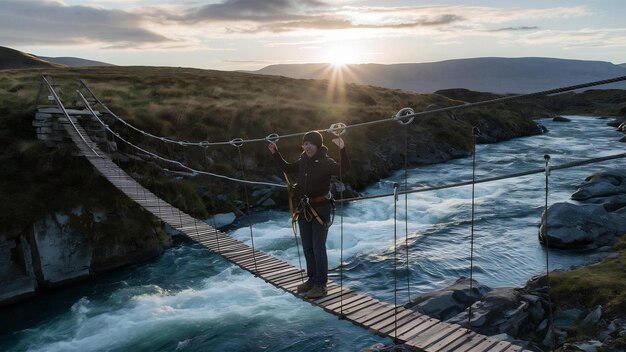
[(406, 326)]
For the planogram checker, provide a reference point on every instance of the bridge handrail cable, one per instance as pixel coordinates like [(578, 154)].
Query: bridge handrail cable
[(399, 117), (178, 163)]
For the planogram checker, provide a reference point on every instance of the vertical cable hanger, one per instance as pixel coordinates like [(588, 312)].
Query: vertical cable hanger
[(237, 142), (338, 129), (395, 255), (547, 245), (475, 134), (406, 212), (217, 240)]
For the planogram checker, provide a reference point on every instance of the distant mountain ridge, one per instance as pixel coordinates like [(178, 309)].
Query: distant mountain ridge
[(488, 74), (74, 61)]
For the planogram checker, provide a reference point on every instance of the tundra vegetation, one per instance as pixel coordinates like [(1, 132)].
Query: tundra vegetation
[(203, 105)]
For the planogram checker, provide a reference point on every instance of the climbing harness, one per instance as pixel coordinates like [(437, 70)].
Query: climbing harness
[(305, 208)]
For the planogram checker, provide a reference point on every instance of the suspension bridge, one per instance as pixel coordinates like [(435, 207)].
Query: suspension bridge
[(407, 326)]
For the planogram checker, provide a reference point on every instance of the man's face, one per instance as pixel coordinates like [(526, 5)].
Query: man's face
[(309, 148)]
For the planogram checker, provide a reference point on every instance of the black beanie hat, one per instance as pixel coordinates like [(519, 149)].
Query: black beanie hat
[(314, 137)]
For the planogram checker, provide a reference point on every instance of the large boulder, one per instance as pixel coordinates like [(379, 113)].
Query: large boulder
[(602, 184), (595, 220), (500, 311), (449, 301), (579, 226)]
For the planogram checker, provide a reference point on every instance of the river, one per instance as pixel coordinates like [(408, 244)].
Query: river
[(189, 299)]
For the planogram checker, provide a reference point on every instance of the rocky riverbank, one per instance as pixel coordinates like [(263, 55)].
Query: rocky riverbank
[(542, 315)]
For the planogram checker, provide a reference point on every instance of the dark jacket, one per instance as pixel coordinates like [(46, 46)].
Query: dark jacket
[(314, 173)]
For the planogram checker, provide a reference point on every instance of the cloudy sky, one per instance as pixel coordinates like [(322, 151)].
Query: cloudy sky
[(251, 34)]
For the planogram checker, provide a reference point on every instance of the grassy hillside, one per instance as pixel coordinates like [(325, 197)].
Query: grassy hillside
[(204, 105), (14, 59), (199, 105)]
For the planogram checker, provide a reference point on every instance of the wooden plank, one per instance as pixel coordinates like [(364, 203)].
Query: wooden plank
[(471, 343), (514, 348), (427, 339), (389, 321), (274, 268), (459, 335), (284, 278), (343, 301), (361, 306), (373, 315), (278, 271), (280, 279), (294, 279), (415, 325), (424, 328), (331, 298), (499, 347), (483, 345), (464, 343)]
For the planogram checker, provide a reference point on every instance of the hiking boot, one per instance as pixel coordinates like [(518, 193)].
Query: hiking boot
[(305, 287), (316, 292)]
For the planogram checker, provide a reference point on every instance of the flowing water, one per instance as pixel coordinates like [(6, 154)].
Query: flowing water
[(189, 299)]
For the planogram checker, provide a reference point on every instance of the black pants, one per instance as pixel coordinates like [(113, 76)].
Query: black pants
[(314, 243)]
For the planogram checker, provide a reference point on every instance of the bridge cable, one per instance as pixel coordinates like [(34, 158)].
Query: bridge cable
[(492, 179), (547, 245), (408, 116), (341, 231), (217, 241), (475, 133), (178, 163), (406, 212), (395, 254), (245, 190), (59, 104)]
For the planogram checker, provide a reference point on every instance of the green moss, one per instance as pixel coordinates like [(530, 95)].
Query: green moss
[(601, 284)]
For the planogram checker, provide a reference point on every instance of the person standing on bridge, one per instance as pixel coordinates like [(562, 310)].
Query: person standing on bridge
[(315, 205)]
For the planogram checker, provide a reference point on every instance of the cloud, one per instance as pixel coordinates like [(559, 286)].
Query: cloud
[(582, 38), (28, 22), (252, 10), (331, 22), (514, 29)]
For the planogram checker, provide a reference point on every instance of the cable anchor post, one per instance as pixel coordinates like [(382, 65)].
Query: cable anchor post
[(404, 116), (337, 129)]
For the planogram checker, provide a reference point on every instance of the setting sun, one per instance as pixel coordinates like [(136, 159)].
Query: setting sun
[(342, 56)]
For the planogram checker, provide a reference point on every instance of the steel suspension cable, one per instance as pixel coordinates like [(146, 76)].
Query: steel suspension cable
[(405, 117), (492, 179), (547, 245), (177, 163), (60, 105)]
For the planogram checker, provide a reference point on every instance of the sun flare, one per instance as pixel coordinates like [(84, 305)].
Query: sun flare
[(339, 57)]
